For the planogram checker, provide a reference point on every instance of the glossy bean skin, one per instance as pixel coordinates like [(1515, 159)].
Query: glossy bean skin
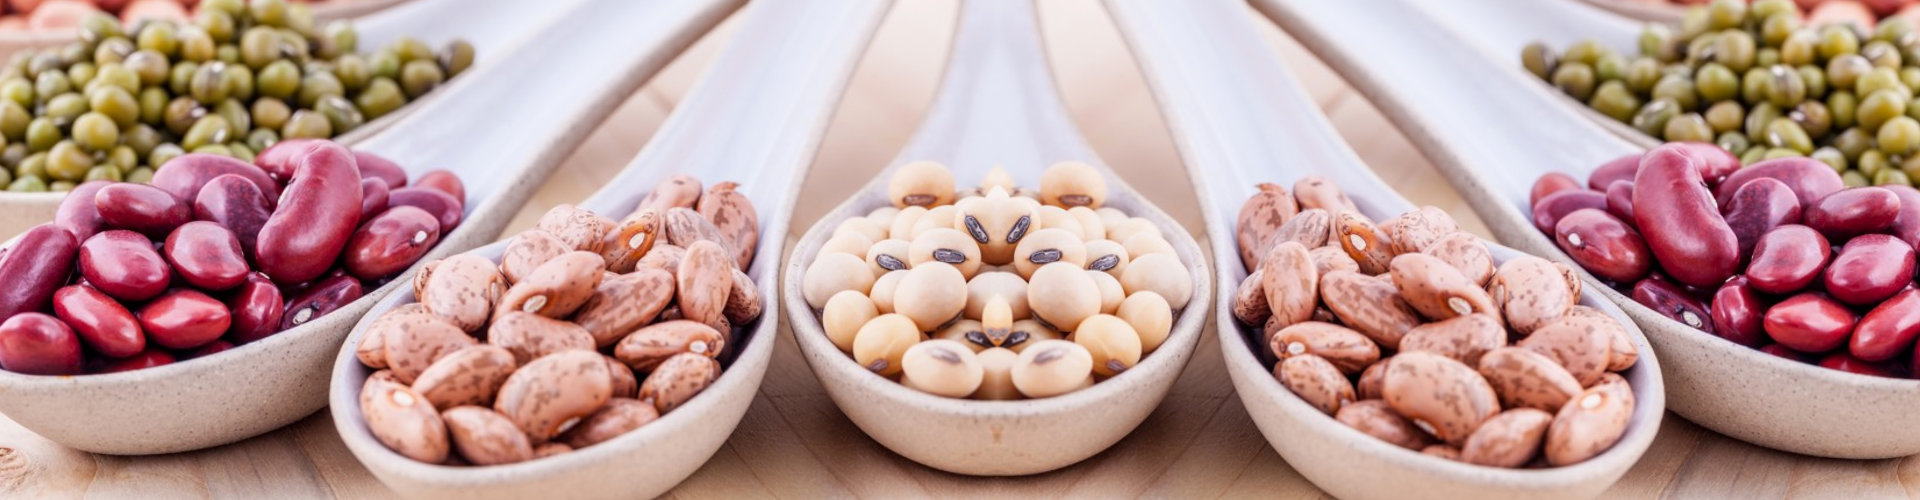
[(442, 205), (214, 347), (1869, 269), (281, 159), (1759, 207), (1737, 311), (1906, 225), (445, 182), (1784, 352), (324, 297), (317, 214), (257, 307), (1551, 183), (38, 344), (1677, 216), (1670, 300), (184, 319), (35, 266), (390, 242), (105, 325), (146, 359), (236, 204), (1889, 329), (1715, 164), (184, 176), (1620, 200), (141, 208), (77, 213), (1788, 259), (1809, 322), (207, 256), (1547, 213), (1843, 362), (1618, 169), (123, 264), (1853, 212), (1604, 245), (373, 166), (373, 198), (1809, 179)]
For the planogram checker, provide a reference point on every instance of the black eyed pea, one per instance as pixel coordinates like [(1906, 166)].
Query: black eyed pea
[(1159, 273), (1027, 332), (901, 228), (967, 332), (831, 273), (921, 183), (1073, 184), (843, 316), (1107, 256), (1063, 295), (883, 289), (1111, 293), (1052, 217), (942, 367), (945, 245), (1316, 381), (996, 381), (1052, 367), (880, 343), (888, 255), (1112, 342), (936, 218), (931, 294), (1047, 246)]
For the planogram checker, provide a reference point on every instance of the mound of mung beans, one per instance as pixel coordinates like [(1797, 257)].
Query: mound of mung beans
[(1779, 255), (120, 101), (586, 328), (997, 292), (1762, 84), (1406, 331), (214, 253)]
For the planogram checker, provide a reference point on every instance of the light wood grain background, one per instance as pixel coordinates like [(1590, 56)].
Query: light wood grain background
[(795, 443)]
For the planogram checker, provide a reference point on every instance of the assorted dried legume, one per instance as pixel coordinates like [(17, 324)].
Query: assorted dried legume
[(1401, 330)]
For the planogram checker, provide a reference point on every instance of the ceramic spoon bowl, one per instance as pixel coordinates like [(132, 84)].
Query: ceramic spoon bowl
[(997, 107), (1495, 133), (1240, 118), (264, 385)]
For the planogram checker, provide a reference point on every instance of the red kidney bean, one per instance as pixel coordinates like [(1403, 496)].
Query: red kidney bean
[(1553, 182), (184, 319), (214, 347), (1843, 362), (321, 298), (281, 159), (38, 344), (142, 208), (1757, 208), (1547, 213), (185, 175), (1620, 200), (1675, 303), (443, 206), (77, 213), (1736, 311), (1853, 212), (444, 182), (207, 256), (1809, 322), (236, 204), (36, 265), (256, 309), (317, 214), (1614, 170), (146, 359), (1889, 329), (106, 326), (390, 242), (1604, 245), (1787, 259), (1810, 179), (1906, 225), (1715, 163), (373, 198), (1677, 216), (374, 166), (1869, 269), (124, 265), (1785, 352)]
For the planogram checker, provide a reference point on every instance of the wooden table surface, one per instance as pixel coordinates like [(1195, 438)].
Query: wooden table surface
[(795, 443)]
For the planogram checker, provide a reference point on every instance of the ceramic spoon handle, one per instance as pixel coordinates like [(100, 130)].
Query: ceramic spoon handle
[(1501, 27)]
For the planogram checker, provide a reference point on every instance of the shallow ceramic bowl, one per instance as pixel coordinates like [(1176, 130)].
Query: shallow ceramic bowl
[(1729, 388), (264, 385)]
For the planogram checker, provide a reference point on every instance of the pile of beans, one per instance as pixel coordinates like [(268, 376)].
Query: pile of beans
[(1401, 330), (1024, 294), (1762, 84), (541, 353), (55, 15), (1863, 13), (1778, 255), (119, 101), (215, 253)]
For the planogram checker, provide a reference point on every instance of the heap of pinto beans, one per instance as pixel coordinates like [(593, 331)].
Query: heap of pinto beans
[(214, 253), (1778, 255)]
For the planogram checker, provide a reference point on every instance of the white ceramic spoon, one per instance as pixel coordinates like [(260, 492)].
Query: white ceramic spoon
[(1657, 11), (756, 118), (494, 27), (1494, 133), (997, 106), (1240, 118), (500, 135)]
